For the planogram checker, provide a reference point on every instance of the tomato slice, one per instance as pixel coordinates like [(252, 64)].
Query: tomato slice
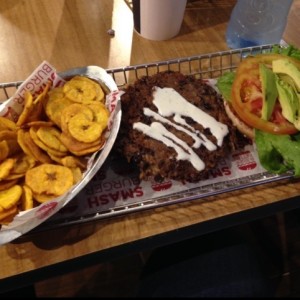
[(247, 96)]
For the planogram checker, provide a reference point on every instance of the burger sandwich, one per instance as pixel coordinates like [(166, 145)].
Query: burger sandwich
[(262, 98)]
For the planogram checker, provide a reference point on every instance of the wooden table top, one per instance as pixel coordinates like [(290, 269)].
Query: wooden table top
[(74, 33)]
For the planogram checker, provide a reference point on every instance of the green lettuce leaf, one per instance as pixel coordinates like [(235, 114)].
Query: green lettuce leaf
[(224, 84), (278, 153), (289, 51)]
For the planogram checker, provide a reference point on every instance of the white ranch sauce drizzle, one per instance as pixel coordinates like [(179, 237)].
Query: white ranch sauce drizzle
[(170, 103)]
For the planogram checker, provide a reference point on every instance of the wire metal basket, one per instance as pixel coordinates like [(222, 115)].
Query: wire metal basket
[(204, 66)]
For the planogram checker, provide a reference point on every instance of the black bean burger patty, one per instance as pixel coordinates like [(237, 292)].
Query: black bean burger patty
[(157, 160)]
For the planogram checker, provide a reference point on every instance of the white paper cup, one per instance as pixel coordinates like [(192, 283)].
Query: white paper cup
[(158, 19)]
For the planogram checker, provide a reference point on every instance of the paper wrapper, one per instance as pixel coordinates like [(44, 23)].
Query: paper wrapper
[(116, 189), (27, 220)]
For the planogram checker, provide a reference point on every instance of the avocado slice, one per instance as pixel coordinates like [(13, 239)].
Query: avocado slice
[(284, 66), (288, 99), (290, 81), (289, 89), (269, 91)]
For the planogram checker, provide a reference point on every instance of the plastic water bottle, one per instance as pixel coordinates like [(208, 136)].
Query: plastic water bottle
[(257, 22)]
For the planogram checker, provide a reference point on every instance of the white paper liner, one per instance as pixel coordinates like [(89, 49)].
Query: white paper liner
[(27, 220), (118, 186)]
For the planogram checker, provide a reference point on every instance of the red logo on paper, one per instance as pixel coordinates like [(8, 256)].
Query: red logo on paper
[(10, 113), (244, 161), (45, 210), (161, 186)]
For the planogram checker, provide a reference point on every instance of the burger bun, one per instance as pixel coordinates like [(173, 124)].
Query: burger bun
[(237, 122)]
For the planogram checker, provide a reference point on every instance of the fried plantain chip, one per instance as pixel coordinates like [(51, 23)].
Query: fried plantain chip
[(30, 148), (100, 95), (78, 148), (37, 124), (51, 152), (41, 97), (50, 137), (10, 197), (5, 184), (54, 107), (14, 176), (7, 215), (23, 144), (72, 110), (81, 89), (28, 104), (7, 124), (84, 130), (37, 111), (4, 150), (56, 158), (5, 167), (101, 113), (43, 197), (23, 163), (49, 179), (6, 134), (12, 141), (73, 162), (55, 93), (26, 198), (77, 174)]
